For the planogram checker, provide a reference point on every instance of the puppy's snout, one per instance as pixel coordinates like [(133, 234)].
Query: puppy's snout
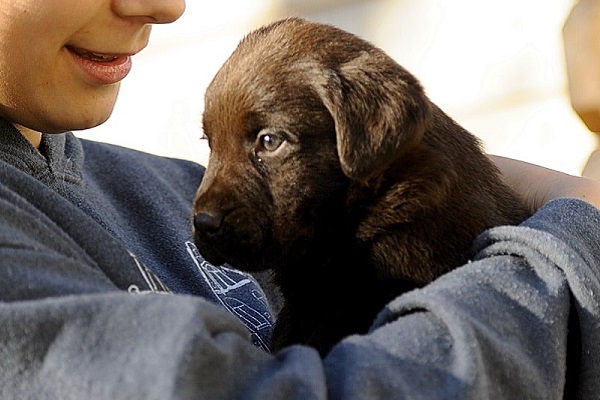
[(208, 222)]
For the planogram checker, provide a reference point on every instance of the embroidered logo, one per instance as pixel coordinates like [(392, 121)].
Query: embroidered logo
[(153, 284), (239, 294)]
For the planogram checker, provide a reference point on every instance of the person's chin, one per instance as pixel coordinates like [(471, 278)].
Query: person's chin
[(79, 122), (96, 113), (91, 123)]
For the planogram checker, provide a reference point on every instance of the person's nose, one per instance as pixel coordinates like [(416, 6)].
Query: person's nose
[(152, 11)]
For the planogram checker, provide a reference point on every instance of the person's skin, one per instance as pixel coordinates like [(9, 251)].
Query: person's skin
[(62, 60), (538, 185)]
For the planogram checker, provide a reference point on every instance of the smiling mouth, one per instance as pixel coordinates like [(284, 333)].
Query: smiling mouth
[(92, 56), (102, 68)]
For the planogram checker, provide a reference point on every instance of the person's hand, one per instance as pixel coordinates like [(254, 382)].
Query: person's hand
[(537, 185)]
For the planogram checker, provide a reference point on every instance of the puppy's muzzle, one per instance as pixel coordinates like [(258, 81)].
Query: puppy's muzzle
[(208, 235), (208, 222)]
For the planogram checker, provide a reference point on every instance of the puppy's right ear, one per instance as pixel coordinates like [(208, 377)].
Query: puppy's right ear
[(380, 112)]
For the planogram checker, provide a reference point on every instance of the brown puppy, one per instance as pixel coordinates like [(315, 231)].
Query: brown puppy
[(331, 167)]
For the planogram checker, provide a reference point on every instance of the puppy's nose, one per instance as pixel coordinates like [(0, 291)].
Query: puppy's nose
[(208, 222)]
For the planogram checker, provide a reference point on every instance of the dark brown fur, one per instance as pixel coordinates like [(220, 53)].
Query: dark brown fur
[(372, 192)]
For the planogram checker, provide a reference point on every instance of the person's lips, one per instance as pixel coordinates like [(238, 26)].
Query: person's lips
[(103, 68)]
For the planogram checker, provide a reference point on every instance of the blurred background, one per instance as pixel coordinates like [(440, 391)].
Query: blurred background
[(498, 68)]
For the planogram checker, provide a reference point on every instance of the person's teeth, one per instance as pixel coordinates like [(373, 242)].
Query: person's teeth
[(99, 57), (93, 56)]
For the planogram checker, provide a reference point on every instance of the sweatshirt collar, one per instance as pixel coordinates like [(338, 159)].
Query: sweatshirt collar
[(60, 156)]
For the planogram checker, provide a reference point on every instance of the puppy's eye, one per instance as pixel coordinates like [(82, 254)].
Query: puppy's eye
[(269, 142)]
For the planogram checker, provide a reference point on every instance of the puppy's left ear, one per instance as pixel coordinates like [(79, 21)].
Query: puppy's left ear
[(380, 112)]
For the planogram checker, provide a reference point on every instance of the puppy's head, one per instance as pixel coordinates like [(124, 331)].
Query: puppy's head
[(298, 114)]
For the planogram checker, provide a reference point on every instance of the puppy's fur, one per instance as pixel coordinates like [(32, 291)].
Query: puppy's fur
[(330, 166)]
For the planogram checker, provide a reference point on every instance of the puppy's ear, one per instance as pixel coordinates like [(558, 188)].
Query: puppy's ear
[(380, 111)]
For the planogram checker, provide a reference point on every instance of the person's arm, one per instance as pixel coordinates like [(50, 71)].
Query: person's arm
[(70, 331), (496, 328), (537, 185)]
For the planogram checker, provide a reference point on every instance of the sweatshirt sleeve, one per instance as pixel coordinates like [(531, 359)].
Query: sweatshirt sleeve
[(496, 328)]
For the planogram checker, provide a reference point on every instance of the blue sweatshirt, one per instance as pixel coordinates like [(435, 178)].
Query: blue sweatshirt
[(129, 213), (92, 236)]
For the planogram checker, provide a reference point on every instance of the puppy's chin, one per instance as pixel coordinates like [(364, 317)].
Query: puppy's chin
[(235, 259), (208, 253)]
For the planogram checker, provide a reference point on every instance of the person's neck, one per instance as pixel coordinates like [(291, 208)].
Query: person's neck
[(34, 137)]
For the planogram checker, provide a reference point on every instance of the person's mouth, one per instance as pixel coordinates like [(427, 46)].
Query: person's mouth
[(92, 56), (104, 68)]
